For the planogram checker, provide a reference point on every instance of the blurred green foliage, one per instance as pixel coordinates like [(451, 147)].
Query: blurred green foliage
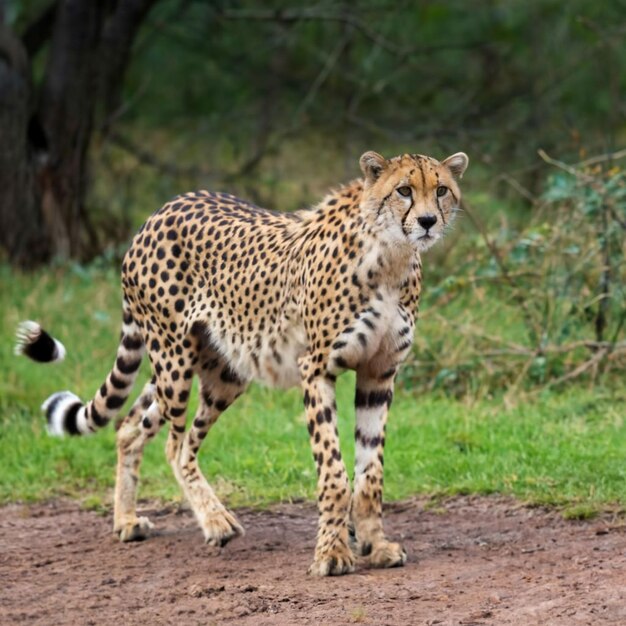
[(535, 303), (247, 95), (500, 77)]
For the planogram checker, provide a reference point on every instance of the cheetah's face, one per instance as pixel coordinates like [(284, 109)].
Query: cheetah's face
[(414, 197)]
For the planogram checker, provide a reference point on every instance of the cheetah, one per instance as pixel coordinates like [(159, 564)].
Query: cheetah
[(218, 288)]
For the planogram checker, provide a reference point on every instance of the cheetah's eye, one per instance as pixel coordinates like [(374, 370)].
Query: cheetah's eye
[(404, 191), (442, 190)]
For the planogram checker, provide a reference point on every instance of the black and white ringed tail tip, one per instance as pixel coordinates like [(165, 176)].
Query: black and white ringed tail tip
[(35, 343)]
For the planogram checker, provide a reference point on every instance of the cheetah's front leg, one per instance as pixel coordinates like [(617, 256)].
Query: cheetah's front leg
[(333, 555), (372, 400)]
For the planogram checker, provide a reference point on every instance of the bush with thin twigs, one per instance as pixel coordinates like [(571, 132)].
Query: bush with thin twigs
[(536, 307)]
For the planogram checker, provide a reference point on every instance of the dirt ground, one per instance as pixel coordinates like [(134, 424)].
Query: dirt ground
[(471, 561)]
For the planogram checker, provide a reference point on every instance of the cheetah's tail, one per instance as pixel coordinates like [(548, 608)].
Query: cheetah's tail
[(35, 343), (64, 411)]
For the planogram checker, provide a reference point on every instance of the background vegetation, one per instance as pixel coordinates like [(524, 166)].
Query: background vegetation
[(516, 383)]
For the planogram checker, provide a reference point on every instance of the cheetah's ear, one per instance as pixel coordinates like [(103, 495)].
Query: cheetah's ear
[(372, 165), (457, 164)]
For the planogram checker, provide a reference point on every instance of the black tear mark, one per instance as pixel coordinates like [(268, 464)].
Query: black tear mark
[(440, 209), (382, 204)]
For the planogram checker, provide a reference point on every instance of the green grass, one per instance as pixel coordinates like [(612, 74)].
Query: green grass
[(564, 449)]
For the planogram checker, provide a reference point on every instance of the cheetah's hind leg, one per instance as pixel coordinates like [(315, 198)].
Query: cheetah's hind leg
[(219, 387), (131, 439)]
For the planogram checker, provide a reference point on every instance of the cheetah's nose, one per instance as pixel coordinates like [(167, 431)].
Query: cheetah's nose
[(426, 221)]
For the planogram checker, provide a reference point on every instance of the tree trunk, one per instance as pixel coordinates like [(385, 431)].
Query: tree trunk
[(68, 100), (22, 236), (44, 151)]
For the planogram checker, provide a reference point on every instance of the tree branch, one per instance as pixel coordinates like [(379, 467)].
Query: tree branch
[(290, 15), (146, 157), (581, 369), (565, 167)]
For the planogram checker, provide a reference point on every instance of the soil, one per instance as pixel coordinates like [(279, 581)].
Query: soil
[(471, 561)]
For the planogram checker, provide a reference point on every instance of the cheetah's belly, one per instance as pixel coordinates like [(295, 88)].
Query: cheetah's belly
[(278, 359), (269, 355)]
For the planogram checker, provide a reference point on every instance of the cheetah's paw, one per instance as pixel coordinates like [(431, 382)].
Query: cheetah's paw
[(220, 527), (333, 563), (135, 530), (387, 554)]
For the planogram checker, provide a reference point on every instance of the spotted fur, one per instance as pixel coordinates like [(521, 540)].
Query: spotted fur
[(218, 288)]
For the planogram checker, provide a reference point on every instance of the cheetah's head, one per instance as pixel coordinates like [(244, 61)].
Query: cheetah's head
[(412, 197)]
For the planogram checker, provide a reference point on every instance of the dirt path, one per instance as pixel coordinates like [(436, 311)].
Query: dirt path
[(472, 561)]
